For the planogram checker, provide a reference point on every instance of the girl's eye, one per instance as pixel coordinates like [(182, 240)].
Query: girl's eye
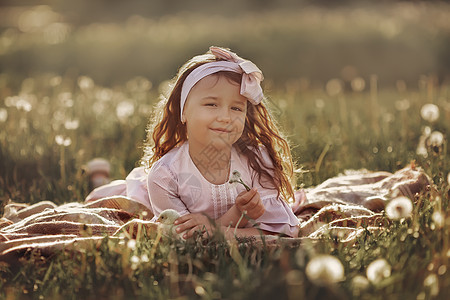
[(237, 108), (210, 104)]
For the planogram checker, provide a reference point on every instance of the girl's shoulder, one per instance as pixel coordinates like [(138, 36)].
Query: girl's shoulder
[(170, 159)]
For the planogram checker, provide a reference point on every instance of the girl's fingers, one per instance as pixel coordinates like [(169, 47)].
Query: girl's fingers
[(246, 196)]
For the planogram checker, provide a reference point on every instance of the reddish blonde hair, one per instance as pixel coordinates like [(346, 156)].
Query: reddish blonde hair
[(165, 132)]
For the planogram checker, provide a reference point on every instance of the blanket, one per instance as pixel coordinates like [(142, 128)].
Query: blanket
[(343, 207)]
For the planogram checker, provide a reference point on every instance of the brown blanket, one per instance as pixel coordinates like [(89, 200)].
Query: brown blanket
[(343, 207)]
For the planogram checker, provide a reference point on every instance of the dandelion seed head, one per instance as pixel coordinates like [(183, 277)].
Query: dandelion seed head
[(325, 269), (144, 258), (402, 105), (72, 124), (124, 110), (360, 282), (431, 281), (320, 104), (3, 115), (358, 84), (334, 87), (63, 141), (235, 176), (438, 219), (131, 244), (85, 82), (399, 208), (378, 270), (426, 131), (24, 105), (430, 112), (436, 139)]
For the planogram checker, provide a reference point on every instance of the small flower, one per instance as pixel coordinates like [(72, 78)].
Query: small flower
[(325, 269), (430, 112), (378, 270), (399, 208), (236, 178)]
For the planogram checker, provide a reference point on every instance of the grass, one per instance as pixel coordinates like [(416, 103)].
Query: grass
[(330, 132)]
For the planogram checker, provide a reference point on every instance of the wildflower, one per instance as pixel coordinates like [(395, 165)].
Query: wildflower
[(399, 208), (63, 141), (438, 219), (325, 269), (378, 270), (3, 115), (144, 258), (431, 281), (430, 112), (236, 178), (436, 139)]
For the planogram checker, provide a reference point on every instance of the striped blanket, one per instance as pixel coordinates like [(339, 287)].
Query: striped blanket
[(343, 206)]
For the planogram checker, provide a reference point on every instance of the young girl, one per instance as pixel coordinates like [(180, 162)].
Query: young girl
[(213, 123)]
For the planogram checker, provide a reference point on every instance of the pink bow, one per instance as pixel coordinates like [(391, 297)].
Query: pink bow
[(251, 78)]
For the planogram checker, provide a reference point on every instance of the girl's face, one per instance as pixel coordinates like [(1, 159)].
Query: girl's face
[(215, 112)]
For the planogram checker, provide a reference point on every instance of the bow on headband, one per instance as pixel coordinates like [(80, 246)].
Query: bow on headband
[(251, 75)]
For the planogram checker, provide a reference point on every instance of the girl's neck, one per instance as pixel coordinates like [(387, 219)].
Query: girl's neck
[(212, 161)]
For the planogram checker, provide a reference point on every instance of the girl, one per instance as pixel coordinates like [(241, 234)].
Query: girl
[(214, 123)]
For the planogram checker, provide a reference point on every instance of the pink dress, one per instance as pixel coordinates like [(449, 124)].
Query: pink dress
[(175, 182)]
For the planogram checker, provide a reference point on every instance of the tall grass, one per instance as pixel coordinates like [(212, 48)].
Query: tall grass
[(52, 125)]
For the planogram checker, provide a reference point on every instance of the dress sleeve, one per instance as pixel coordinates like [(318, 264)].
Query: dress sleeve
[(278, 216), (163, 190)]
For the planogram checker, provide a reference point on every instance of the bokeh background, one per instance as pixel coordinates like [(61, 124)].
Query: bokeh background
[(112, 41), (346, 80)]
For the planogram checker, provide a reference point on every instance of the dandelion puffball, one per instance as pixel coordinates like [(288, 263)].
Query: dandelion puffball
[(436, 139), (430, 112), (378, 270), (166, 223), (399, 208), (325, 269)]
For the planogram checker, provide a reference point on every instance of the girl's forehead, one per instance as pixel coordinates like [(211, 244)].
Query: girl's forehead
[(211, 81)]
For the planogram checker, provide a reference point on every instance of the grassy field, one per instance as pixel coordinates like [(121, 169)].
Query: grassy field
[(48, 133), (55, 117)]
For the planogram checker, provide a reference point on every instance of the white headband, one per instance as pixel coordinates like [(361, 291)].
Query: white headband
[(251, 75)]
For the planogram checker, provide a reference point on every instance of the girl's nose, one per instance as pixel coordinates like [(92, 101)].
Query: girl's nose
[(224, 115)]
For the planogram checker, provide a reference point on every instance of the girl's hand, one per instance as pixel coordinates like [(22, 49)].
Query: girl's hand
[(250, 202), (192, 223)]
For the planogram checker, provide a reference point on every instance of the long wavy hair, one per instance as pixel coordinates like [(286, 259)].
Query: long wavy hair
[(165, 132)]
